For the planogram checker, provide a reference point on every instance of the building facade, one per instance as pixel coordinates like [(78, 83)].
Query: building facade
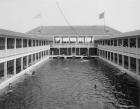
[(19, 51), (122, 51)]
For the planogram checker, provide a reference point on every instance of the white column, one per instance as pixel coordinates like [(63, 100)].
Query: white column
[(114, 57), (31, 43), (35, 58), (84, 39), (128, 42), (107, 55), (5, 70), (117, 58), (32, 59), (15, 43), (122, 60), (14, 66), (21, 63), (21, 43), (5, 43), (27, 64)]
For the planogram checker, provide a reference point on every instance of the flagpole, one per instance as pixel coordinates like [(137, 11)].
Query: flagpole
[(41, 19), (104, 22)]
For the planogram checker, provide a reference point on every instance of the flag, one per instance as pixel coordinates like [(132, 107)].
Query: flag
[(101, 16), (37, 16)]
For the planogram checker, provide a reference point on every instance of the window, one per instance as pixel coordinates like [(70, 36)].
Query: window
[(133, 42), (2, 43), (46, 42), (18, 43), (80, 39), (10, 67), (133, 63), (46, 52), (116, 58), (111, 56), (37, 43), (33, 42), (108, 42), (72, 40), (39, 55), (88, 39), (120, 42), (138, 42), (120, 59), (40, 43), (1, 70), (10, 43), (105, 42), (33, 57), (24, 62), (24, 42), (29, 60), (111, 42), (65, 40), (126, 62), (115, 42), (30, 43), (125, 42), (18, 65)]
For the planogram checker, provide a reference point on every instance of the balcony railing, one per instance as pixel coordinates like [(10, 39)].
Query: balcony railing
[(62, 45), (128, 50)]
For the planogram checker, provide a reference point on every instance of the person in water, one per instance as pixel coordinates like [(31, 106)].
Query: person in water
[(33, 73), (95, 86)]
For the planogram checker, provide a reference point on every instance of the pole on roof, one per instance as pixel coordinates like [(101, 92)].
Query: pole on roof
[(102, 16), (104, 22)]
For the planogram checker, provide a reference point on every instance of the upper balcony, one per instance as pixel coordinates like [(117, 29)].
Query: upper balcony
[(73, 41), (11, 47), (126, 45), (70, 45)]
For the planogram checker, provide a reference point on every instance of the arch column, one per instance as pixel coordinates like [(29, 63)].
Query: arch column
[(5, 70), (21, 63), (14, 66)]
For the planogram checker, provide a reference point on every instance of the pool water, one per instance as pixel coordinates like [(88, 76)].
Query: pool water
[(74, 84)]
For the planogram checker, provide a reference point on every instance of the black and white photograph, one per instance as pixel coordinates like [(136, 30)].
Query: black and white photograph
[(69, 54)]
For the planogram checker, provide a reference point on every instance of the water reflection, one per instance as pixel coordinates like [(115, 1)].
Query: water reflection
[(74, 84)]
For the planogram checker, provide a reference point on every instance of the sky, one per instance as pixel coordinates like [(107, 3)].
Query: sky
[(20, 15)]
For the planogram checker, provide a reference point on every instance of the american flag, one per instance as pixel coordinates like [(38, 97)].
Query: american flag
[(101, 16)]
